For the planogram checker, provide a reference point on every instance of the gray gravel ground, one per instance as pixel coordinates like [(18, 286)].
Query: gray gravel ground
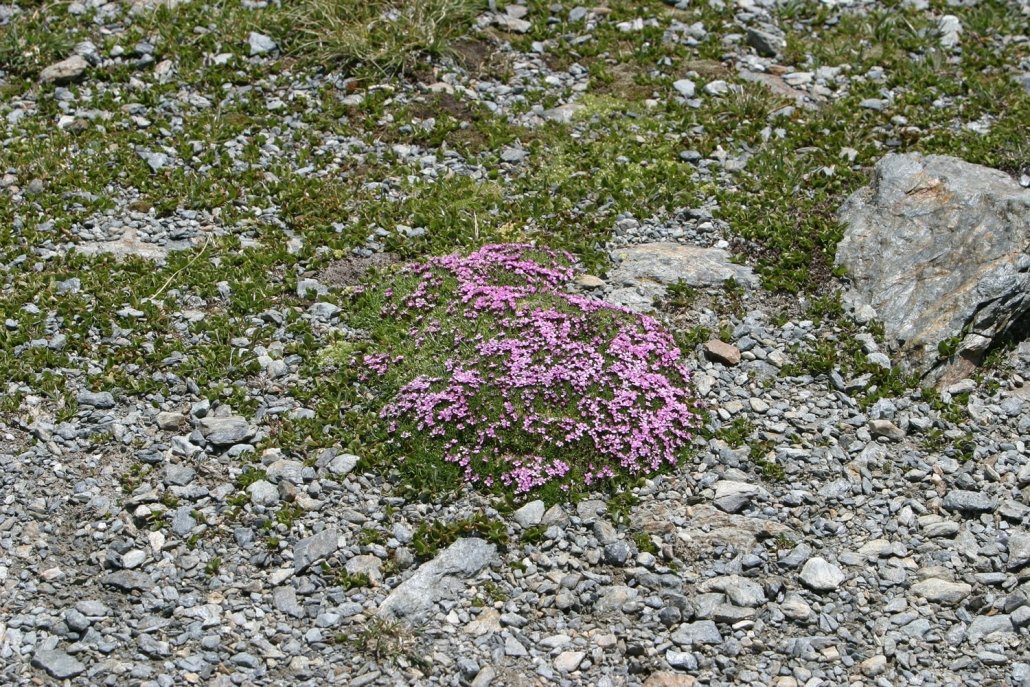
[(134, 549)]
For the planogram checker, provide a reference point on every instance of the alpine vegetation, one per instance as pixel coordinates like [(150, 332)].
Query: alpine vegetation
[(489, 365)]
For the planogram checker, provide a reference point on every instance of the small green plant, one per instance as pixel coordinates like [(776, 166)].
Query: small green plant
[(213, 566), (691, 338), (533, 535), (620, 506), (369, 536), (947, 348), (737, 432), (770, 469), (384, 640), (680, 295), (249, 475), (430, 537), (645, 544), (288, 514), (133, 477), (351, 581)]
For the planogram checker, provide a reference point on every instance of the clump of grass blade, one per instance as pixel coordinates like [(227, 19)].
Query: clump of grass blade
[(385, 35)]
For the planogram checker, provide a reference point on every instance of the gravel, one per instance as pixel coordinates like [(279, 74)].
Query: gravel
[(894, 549)]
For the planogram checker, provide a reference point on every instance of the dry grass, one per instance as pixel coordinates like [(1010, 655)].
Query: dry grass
[(384, 35)]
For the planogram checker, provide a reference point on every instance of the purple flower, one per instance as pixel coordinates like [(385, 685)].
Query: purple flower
[(541, 386)]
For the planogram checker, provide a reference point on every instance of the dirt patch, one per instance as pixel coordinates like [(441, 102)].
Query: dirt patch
[(482, 59), (624, 83), (706, 68), (350, 271), (442, 103)]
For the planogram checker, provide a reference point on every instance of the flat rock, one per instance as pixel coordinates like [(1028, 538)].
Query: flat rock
[(1019, 550), (530, 514), (130, 245), (127, 581), (822, 576), (707, 526), (969, 501), (941, 591), (733, 497), (57, 663), (97, 399), (440, 578), (938, 248), (669, 263), (984, 625), (700, 632), (66, 71), (740, 590), (886, 428), (314, 548), (767, 40), (568, 661), (285, 600), (226, 431), (669, 679), (722, 352)]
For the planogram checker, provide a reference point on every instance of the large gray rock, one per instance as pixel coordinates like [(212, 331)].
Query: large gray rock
[(438, 579), (643, 272), (65, 71), (938, 248), (315, 548), (226, 431), (59, 664)]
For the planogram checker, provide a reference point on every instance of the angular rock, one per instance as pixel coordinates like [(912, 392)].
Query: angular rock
[(57, 663), (260, 44), (314, 548), (343, 464), (1019, 550), (722, 352), (942, 591), (440, 578), (984, 625), (938, 247), (700, 632), (886, 428), (669, 263), (733, 497), (969, 501), (767, 40), (685, 87), (283, 469), (285, 600), (874, 665), (530, 514), (127, 581), (64, 72), (568, 661), (226, 431), (740, 590), (263, 493), (822, 576), (670, 679), (98, 399)]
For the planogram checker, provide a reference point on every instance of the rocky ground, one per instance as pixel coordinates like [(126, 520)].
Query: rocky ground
[(186, 496)]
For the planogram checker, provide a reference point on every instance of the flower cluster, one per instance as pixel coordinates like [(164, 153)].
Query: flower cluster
[(525, 385)]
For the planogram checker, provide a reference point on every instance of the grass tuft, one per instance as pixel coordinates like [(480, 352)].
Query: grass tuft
[(385, 35)]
